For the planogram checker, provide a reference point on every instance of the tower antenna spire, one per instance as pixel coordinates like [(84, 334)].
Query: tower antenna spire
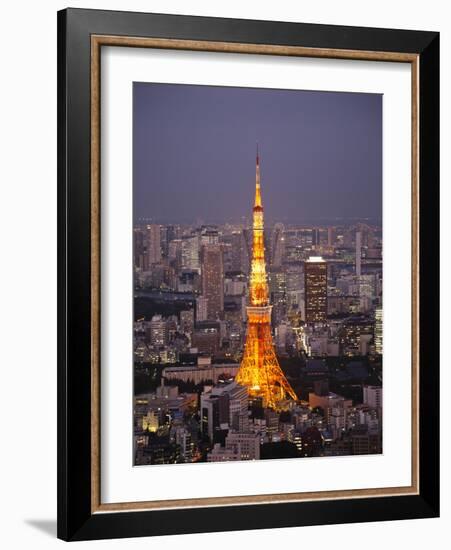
[(258, 197)]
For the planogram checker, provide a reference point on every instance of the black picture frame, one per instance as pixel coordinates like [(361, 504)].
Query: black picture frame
[(75, 518)]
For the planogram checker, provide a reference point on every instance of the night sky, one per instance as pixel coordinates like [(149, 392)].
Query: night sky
[(194, 154)]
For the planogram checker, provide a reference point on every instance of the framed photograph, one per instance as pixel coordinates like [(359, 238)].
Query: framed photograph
[(248, 274)]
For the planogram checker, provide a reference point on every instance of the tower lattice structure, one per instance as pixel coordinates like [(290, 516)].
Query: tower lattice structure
[(260, 371)]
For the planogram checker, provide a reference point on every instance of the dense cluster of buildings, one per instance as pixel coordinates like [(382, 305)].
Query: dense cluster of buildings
[(219, 424), (325, 287), (191, 292)]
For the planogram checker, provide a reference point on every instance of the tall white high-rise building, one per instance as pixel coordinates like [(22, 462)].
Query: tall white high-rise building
[(190, 252)]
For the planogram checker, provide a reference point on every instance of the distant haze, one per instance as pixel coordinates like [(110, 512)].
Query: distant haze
[(194, 153)]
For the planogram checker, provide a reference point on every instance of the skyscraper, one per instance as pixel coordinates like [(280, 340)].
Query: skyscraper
[(315, 273), (330, 236), (315, 236), (190, 252), (153, 244), (175, 253), (358, 253), (164, 240), (260, 371), (212, 267), (277, 282), (138, 247), (277, 244)]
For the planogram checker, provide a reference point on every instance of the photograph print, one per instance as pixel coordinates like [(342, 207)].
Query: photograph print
[(257, 272)]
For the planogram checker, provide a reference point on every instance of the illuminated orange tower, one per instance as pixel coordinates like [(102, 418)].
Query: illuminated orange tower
[(260, 371)]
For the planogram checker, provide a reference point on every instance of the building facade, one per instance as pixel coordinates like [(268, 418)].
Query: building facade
[(315, 273), (213, 279)]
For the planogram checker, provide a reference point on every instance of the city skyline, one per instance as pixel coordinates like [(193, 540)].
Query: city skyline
[(255, 340), (296, 130)]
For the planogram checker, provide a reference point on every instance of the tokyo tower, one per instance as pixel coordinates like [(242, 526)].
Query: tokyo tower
[(260, 371)]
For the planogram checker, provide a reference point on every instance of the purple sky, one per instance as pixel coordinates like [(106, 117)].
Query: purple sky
[(194, 153)]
